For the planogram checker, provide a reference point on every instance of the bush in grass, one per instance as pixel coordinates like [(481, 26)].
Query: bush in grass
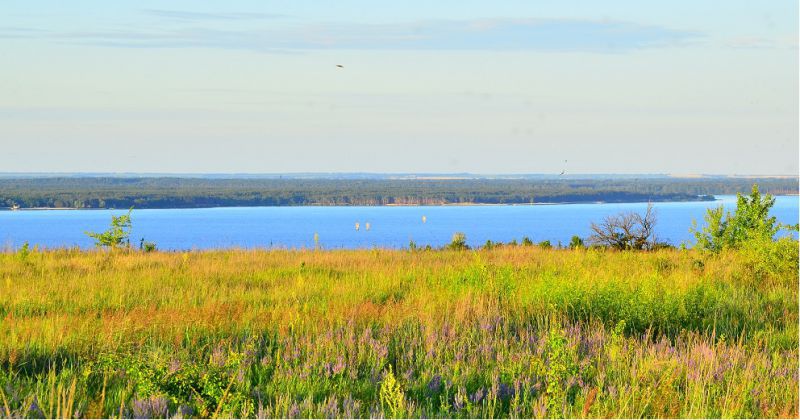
[(576, 242), (117, 235), (751, 229), (458, 242)]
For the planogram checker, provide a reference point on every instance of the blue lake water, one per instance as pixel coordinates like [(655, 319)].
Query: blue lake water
[(394, 227)]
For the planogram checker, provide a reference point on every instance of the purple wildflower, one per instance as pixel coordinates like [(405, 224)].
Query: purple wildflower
[(350, 408), (294, 411), (339, 366), (505, 392), (331, 408), (174, 366), (218, 356), (435, 385), (153, 407), (478, 396), (34, 410)]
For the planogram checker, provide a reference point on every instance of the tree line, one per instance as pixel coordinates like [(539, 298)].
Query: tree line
[(164, 192)]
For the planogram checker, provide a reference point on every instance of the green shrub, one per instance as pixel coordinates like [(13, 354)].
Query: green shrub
[(392, 399), (458, 242), (147, 246), (117, 235), (576, 242), (750, 229), (24, 252), (749, 223)]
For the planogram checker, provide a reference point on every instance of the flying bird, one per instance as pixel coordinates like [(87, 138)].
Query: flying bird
[(340, 66)]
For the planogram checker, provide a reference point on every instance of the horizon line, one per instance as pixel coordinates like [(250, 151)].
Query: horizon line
[(371, 173)]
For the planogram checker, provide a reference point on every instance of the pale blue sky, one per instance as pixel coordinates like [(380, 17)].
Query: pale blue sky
[(445, 86)]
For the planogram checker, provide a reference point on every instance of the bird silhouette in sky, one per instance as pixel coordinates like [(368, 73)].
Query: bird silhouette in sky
[(340, 66)]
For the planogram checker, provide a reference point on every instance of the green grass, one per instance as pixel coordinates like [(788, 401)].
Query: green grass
[(506, 332)]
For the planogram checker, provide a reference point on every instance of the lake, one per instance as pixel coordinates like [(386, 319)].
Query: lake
[(391, 227)]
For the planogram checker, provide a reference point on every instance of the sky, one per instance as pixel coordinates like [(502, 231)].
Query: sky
[(197, 86)]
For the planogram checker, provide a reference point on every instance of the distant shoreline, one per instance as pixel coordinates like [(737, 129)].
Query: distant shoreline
[(179, 193), (377, 205), (387, 205)]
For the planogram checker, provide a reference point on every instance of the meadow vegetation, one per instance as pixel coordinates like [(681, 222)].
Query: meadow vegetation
[(507, 331), (530, 330)]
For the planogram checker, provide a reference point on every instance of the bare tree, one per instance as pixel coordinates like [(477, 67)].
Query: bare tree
[(626, 230)]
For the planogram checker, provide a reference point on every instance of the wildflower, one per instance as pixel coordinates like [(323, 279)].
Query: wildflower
[(294, 411), (350, 408), (184, 411), (331, 408), (435, 385), (478, 396), (339, 366), (218, 356), (153, 407), (174, 366), (460, 398), (263, 412), (505, 392), (34, 410)]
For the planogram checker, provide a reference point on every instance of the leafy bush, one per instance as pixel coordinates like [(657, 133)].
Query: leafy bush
[(526, 241), (117, 235), (458, 242), (751, 229), (576, 242), (147, 246), (545, 245), (24, 252), (749, 223)]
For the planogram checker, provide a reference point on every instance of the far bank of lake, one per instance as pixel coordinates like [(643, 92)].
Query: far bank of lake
[(389, 226)]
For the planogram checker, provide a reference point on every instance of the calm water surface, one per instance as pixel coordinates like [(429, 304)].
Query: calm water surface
[(294, 227)]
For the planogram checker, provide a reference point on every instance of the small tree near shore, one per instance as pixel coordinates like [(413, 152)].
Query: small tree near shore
[(626, 231), (750, 223), (118, 235), (458, 242), (751, 231)]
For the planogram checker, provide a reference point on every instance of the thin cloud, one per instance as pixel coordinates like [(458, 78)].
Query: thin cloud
[(556, 35), (763, 43), (20, 32), (194, 16)]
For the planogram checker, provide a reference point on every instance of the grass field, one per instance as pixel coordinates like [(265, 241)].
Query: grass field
[(506, 332)]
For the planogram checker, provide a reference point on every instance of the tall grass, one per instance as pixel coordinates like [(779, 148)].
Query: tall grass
[(503, 332)]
